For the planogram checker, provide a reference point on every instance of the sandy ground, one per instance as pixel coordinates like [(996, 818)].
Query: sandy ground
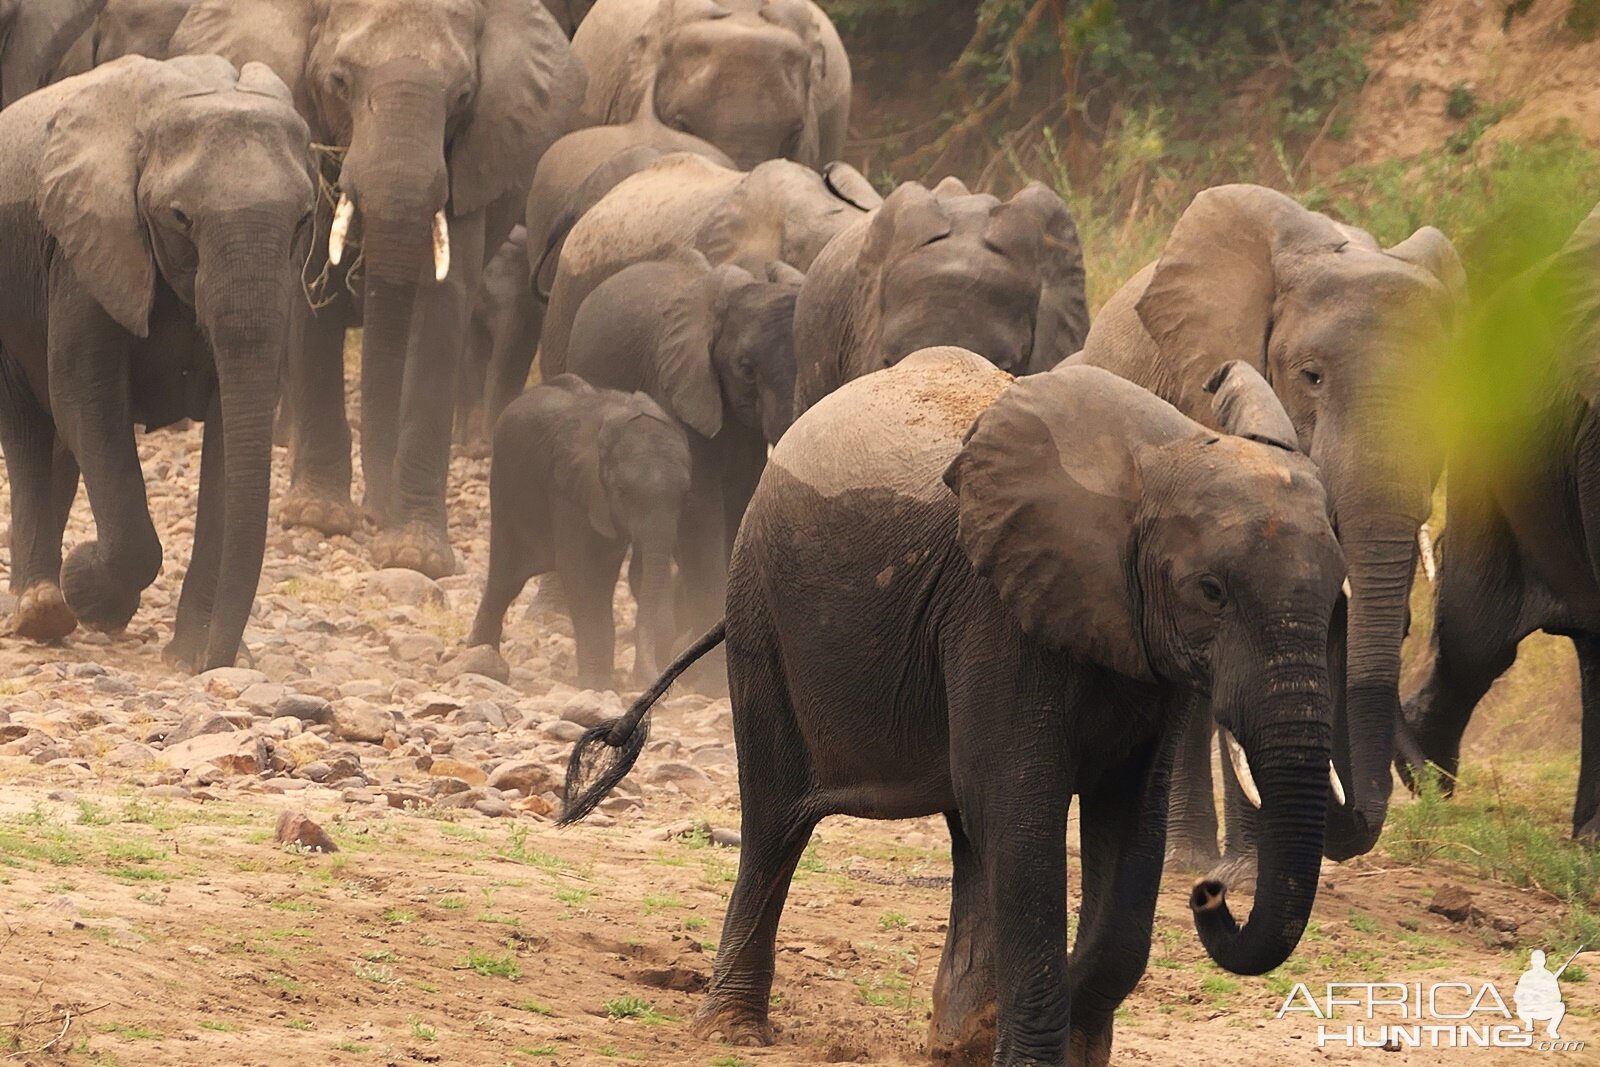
[(150, 917)]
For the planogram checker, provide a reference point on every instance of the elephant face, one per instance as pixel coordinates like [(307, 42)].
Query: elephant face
[(753, 353), (1337, 325), (739, 75), (1117, 529), (966, 270), (783, 211)]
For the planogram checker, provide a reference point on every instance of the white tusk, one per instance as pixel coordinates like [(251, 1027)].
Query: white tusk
[(1338, 786), (1430, 566), (441, 248), (1241, 769), (341, 228), (1348, 595)]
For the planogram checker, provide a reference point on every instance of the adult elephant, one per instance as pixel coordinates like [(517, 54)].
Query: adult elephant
[(154, 219), (943, 267), (438, 114), (778, 212), (760, 79), (715, 348), (1053, 582), (1522, 546), (34, 35), (1337, 325), (126, 28)]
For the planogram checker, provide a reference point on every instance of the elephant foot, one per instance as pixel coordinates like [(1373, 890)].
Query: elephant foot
[(1238, 868), (184, 654), (736, 1024), (100, 604), (963, 1042), (1588, 834), (1190, 858), (328, 513), (43, 614), (415, 547), (1091, 1048)]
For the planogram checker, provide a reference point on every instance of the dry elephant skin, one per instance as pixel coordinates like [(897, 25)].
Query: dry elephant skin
[(1523, 551), (34, 35), (943, 267), (155, 215), (1339, 327), (760, 79), (1056, 580), (580, 476), (437, 115)]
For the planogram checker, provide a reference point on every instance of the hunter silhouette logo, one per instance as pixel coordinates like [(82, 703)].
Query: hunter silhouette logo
[(1400, 1015)]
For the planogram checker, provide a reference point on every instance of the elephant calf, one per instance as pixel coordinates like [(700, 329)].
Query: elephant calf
[(928, 614), (579, 475)]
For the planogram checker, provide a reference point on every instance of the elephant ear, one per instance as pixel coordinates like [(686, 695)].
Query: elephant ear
[(1433, 252), (530, 87), (685, 375), (275, 32), (1037, 214), (1245, 406), (909, 219), (34, 37), (89, 178), (951, 187), (850, 185), (1048, 483), (780, 273), (1211, 295)]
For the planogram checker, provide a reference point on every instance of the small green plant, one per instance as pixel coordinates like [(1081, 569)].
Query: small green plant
[(452, 903), (634, 1007), (378, 956), (573, 897), (893, 920), (217, 1025), (492, 966), (517, 849), (1217, 986), (731, 1061), (1461, 102), (534, 1007), (298, 1024), (398, 916), (542, 1050), (421, 1030), (132, 1031), (660, 902), (351, 1046), (1365, 924), (1583, 18), (694, 922)]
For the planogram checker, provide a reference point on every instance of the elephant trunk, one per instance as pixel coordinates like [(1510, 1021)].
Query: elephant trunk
[(1380, 552), (243, 293), (1287, 741)]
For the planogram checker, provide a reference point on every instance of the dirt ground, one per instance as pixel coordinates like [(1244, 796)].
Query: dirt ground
[(151, 918)]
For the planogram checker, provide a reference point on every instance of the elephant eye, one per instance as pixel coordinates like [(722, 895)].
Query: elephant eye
[(1212, 590), (1312, 375), (180, 218), (339, 81)]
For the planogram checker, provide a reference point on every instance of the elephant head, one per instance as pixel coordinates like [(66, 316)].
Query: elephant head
[(1004, 280), (34, 36), (126, 28), (1336, 325), (785, 212), (713, 345), (741, 74), (1118, 530), (191, 175)]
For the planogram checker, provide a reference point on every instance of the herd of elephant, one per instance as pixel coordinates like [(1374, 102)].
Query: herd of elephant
[(965, 553)]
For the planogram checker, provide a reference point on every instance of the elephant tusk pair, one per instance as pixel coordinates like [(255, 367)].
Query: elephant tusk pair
[(345, 213), (1247, 781), (1430, 566)]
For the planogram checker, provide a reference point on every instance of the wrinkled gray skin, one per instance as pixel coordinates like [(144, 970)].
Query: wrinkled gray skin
[(760, 79), (568, 13), (445, 106), (153, 217), (715, 347), (1338, 326), (572, 176), (1053, 585), (581, 475), (780, 211), (34, 35), (126, 28), (943, 267), (1522, 551), (502, 300)]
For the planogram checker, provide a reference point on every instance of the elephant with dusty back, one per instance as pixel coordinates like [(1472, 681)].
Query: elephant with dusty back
[(1339, 326), (436, 114), (154, 219)]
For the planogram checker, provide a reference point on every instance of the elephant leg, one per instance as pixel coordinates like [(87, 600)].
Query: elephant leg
[(962, 1028), (588, 566), (741, 472), (1192, 840), (470, 432), (319, 432), (1586, 808), (90, 395), (192, 631), (511, 359), (1122, 837), (512, 561), (776, 819), (418, 536), (35, 465)]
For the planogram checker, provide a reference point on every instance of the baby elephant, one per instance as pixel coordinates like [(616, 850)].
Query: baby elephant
[(579, 475)]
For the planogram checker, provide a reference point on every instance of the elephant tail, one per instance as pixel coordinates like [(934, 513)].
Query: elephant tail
[(592, 774)]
